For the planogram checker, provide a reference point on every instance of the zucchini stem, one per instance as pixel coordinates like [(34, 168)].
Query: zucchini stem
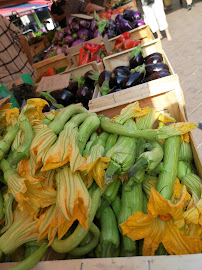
[(64, 246), (80, 251), (32, 259)]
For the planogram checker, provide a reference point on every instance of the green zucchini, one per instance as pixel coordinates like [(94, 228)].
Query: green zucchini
[(109, 236), (131, 202)]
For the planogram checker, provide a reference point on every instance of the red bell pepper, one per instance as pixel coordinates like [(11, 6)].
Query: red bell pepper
[(50, 72), (122, 37), (84, 57), (96, 58), (92, 47), (129, 43), (126, 44)]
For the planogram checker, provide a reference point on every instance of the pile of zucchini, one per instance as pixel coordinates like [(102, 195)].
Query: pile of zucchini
[(130, 157)]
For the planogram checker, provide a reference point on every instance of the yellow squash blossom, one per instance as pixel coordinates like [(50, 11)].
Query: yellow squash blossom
[(52, 222), (73, 199), (33, 109), (161, 225), (146, 121), (41, 143), (37, 196), (28, 167), (131, 111), (47, 224), (193, 217), (22, 230), (64, 150), (177, 193), (95, 166)]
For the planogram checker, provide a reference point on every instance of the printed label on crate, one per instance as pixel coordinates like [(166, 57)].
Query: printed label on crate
[(55, 82)]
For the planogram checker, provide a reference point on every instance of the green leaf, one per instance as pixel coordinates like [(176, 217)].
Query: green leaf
[(96, 16), (104, 89), (80, 81), (135, 52), (94, 76)]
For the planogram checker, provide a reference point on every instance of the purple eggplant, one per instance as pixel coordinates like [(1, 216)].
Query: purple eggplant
[(73, 86), (157, 75), (119, 18), (103, 82), (83, 33), (63, 97), (110, 33), (135, 78), (93, 25), (136, 57), (118, 75), (74, 26), (125, 26), (153, 58), (78, 42), (84, 23), (84, 94), (135, 16), (67, 31), (59, 35), (151, 68), (139, 23), (97, 34), (91, 78), (68, 40), (127, 13)]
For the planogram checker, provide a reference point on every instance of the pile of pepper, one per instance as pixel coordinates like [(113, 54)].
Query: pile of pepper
[(125, 42), (92, 52)]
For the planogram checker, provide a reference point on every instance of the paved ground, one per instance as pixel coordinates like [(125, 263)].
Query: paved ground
[(185, 55)]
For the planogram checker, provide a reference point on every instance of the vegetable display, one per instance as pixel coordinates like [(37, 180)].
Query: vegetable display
[(92, 187), (121, 24), (79, 31), (79, 90), (140, 70)]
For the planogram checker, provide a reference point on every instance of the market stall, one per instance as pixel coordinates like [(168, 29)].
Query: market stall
[(99, 162)]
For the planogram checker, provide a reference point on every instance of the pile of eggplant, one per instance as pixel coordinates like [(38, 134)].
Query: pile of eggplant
[(140, 70), (79, 90)]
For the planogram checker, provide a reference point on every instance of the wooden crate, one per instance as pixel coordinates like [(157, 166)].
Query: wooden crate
[(153, 87), (76, 49), (122, 58), (81, 70), (130, 5), (56, 62), (143, 33), (39, 47), (166, 103), (183, 262)]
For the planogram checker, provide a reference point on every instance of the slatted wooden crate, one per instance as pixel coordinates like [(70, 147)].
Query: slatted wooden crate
[(153, 87), (56, 62), (167, 103), (143, 33)]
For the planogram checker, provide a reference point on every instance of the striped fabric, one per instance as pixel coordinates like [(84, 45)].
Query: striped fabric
[(13, 62)]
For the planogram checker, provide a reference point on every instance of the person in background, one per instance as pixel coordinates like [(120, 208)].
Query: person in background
[(156, 17), (189, 4), (68, 7), (57, 12), (13, 63)]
